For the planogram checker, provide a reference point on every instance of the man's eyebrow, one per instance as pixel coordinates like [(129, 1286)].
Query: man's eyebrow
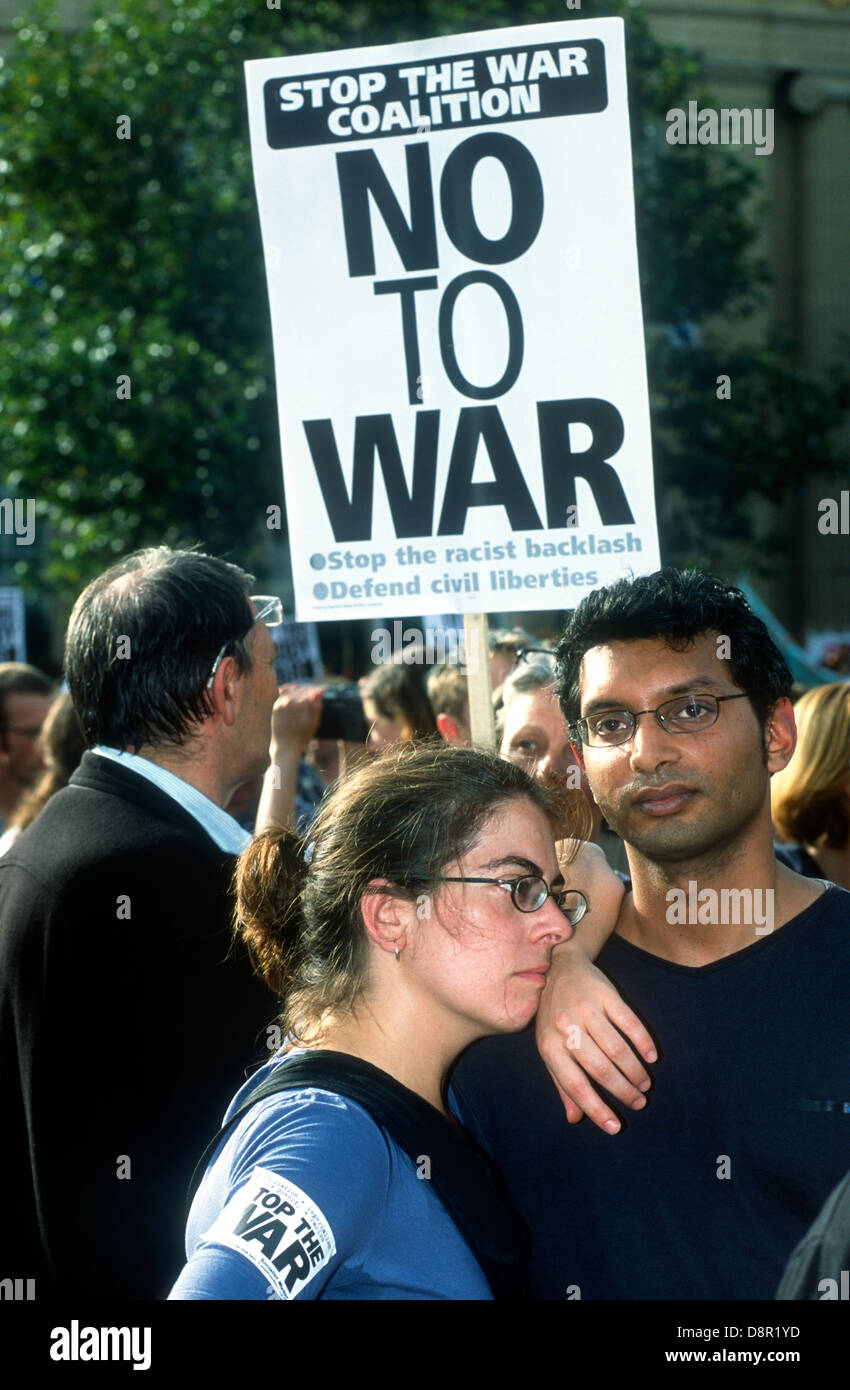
[(699, 683)]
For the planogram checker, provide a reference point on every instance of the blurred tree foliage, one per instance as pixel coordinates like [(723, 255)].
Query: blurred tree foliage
[(141, 257)]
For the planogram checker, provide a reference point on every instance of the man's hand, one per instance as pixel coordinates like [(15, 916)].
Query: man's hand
[(581, 1012)]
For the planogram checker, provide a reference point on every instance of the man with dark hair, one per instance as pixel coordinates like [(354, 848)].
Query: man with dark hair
[(125, 1021), (679, 710), (26, 695)]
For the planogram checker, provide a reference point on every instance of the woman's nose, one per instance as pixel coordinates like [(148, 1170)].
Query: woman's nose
[(551, 922)]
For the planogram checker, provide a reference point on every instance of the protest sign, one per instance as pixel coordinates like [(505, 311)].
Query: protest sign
[(448, 229), (13, 645), (298, 655)]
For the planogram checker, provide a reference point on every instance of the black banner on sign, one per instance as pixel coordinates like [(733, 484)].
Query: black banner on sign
[(472, 89)]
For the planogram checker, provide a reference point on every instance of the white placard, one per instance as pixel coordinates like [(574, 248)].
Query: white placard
[(448, 228)]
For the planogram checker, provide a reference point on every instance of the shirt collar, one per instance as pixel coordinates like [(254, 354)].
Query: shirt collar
[(227, 833)]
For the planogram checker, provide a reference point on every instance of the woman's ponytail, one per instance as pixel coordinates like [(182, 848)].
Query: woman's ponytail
[(268, 918)]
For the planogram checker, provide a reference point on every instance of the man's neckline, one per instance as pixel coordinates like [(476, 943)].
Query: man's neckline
[(720, 961)]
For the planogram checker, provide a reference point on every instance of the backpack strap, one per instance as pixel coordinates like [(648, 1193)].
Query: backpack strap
[(464, 1177)]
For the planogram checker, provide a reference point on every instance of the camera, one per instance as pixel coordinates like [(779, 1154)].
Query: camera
[(342, 715)]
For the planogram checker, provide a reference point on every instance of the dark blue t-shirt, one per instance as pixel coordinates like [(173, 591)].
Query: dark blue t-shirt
[(705, 1193)]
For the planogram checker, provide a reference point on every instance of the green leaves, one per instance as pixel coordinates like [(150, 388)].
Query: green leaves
[(140, 258)]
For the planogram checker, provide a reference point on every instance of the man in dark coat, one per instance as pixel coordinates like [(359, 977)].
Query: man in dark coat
[(126, 1020)]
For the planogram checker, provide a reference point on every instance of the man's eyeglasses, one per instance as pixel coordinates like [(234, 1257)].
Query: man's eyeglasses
[(530, 892), (687, 714), (528, 653), (269, 609)]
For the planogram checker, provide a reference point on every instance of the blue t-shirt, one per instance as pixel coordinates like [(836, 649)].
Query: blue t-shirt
[(308, 1198), (704, 1193)]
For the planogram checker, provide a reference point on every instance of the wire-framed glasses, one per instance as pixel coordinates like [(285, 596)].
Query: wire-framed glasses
[(529, 892), (687, 714), (526, 654), (269, 609)]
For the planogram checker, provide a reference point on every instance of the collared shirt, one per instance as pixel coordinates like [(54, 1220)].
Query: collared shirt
[(222, 829)]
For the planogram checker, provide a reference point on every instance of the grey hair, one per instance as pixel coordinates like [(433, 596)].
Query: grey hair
[(523, 680)]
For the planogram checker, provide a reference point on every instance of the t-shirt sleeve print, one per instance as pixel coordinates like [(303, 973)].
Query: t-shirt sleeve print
[(277, 1227)]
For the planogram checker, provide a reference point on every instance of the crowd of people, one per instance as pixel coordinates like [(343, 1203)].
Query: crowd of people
[(443, 958)]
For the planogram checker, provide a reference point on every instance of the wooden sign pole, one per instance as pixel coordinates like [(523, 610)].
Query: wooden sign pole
[(477, 646)]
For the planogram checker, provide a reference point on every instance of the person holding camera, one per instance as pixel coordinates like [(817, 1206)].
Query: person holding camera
[(388, 707), (295, 718), (324, 721)]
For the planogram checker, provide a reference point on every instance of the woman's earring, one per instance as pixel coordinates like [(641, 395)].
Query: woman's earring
[(395, 947)]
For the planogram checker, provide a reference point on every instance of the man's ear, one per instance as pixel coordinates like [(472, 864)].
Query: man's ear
[(225, 691), (445, 727), (780, 735), (452, 731), (385, 915)]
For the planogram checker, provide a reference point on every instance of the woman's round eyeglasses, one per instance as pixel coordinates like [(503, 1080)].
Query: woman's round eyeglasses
[(529, 893)]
